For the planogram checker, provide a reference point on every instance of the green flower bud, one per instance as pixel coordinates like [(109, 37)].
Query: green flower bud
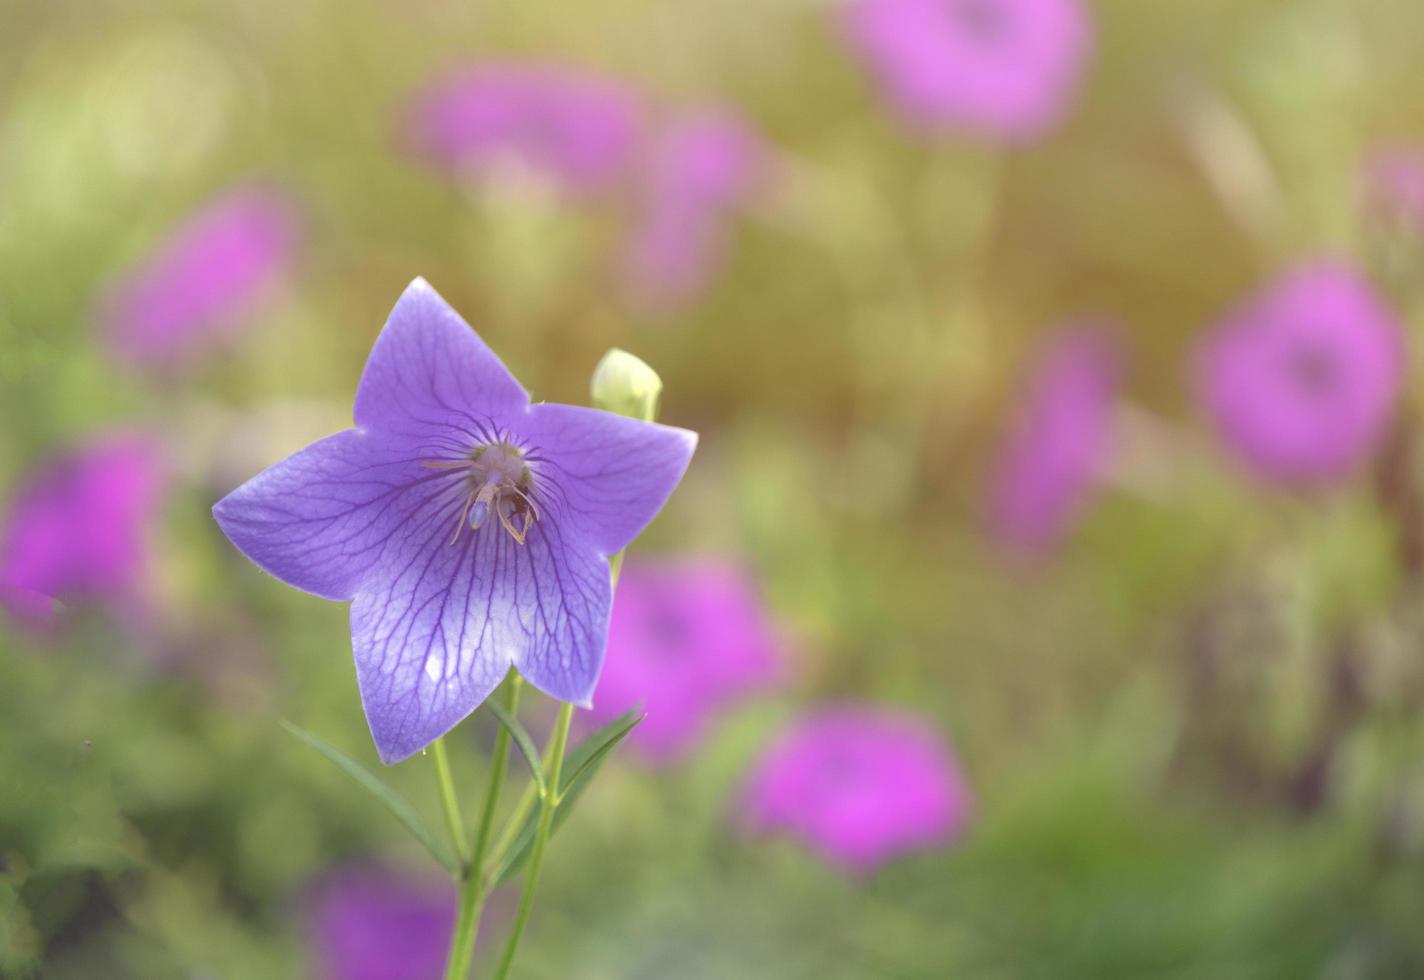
[(626, 385)]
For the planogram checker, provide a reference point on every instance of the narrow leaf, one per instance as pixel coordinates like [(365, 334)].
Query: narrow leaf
[(396, 804), (582, 764), (521, 739), (590, 752)]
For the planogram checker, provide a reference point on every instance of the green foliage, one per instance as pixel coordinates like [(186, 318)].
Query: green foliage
[(580, 766), (388, 798), (523, 740)]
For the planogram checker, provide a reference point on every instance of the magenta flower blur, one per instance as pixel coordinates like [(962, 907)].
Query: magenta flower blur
[(205, 282), (367, 923), (1003, 68), (578, 129), (1058, 442), (703, 168), (78, 529), (859, 785), (469, 529), (1302, 379), (686, 640)]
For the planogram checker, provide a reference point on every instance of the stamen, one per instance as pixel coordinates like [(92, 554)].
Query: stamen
[(461, 522), (517, 533), (498, 481), (478, 515), (529, 502)]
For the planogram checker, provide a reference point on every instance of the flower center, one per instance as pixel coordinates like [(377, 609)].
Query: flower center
[(1312, 369), (497, 482)]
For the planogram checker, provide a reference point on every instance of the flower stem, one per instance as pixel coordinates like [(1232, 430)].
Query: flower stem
[(501, 758), (450, 802), (472, 890), (553, 770), (512, 826)]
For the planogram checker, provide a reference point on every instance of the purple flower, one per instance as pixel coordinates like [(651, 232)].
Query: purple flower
[(1058, 442), (374, 924), (205, 282), (686, 639), (577, 129), (1303, 378), (860, 786), (704, 167), (1004, 68), (78, 529), (469, 529)]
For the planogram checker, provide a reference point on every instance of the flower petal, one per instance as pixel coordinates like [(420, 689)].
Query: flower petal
[(609, 475), (429, 369), (439, 634), (321, 519)]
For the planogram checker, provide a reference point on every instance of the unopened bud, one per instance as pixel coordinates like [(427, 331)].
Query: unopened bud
[(626, 385)]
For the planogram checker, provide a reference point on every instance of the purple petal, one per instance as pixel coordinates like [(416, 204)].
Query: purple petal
[(430, 370), (611, 474), (449, 620), (322, 519)]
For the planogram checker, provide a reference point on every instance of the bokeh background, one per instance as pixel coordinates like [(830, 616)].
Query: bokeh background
[(1183, 693)]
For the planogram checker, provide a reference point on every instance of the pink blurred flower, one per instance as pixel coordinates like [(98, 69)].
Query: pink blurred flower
[(861, 786), (578, 129), (1003, 68), (703, 168), (78, 528), (369, 923), (1059, 441), (685, 641), (1302, 379), (205, 282)]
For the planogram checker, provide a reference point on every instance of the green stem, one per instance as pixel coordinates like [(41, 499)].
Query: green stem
[(515, 823), (449, 801), (553, 769), (512, 826), (501, 759), (462, 943), (472, 890)]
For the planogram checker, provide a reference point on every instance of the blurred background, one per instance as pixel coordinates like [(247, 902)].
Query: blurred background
[(1053, 364)]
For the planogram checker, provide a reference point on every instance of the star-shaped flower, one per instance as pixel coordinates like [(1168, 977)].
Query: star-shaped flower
[(469, 529)]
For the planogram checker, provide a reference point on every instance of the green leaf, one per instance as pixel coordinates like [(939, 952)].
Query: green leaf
[(581, 765), (521, 739), (396, 804)]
